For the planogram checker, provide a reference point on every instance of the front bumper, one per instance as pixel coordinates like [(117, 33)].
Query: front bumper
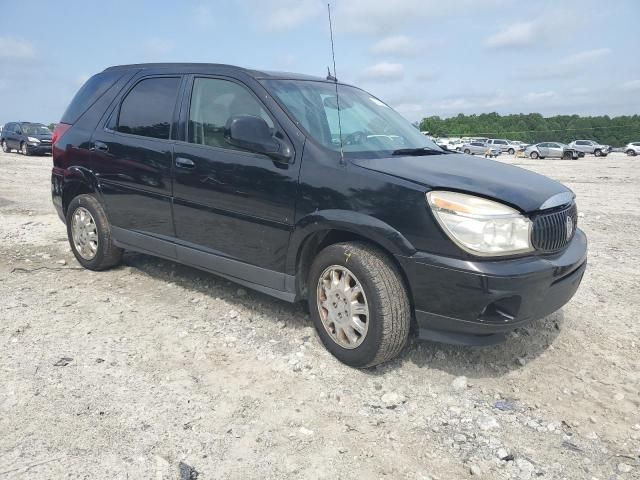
[(477, 301), (38, 148)]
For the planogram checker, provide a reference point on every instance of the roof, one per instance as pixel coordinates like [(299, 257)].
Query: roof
[(183, 67)]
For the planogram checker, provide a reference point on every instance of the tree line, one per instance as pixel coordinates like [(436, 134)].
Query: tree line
[(534, 128)]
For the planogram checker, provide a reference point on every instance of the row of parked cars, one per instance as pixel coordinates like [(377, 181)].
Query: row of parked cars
[(27, 138), (492, 147)]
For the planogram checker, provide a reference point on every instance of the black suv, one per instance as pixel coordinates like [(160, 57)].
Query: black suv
[(309, 190), (26, 137)]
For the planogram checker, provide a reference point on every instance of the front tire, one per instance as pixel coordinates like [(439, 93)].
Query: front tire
[(89, 234), (511, 151), (24, 149), (534, 155), (597, 152), (5, 147), (631, 153), (359, 304), (467, 151)]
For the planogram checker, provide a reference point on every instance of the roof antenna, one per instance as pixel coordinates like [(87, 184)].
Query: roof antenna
[(334, 79)]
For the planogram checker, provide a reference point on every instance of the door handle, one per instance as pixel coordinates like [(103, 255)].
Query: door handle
[(100, 146), (182, 162)]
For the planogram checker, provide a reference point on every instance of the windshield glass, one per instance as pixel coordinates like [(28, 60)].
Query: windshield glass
[(35, 130), (370, 128)]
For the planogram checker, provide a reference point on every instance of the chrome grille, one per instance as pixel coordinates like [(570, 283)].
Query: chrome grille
[(551, 230)]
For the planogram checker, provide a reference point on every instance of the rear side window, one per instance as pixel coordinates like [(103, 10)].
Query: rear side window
[(147, 110), (91, 91)]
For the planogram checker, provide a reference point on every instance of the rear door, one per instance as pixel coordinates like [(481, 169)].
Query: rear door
[(555, 150), (543, 148), (13, 135), (231, 202), (133, 155)]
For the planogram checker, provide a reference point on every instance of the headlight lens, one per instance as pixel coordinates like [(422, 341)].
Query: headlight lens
[(480, 226), (33, 140)]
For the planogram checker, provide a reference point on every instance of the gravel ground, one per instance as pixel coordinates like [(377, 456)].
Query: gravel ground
[(155, 370)]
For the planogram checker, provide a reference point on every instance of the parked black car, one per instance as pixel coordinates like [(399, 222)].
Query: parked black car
[(260, 178), (26, 137)]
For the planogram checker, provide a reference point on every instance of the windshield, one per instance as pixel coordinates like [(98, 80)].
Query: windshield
[(35, 130), (370, 128)]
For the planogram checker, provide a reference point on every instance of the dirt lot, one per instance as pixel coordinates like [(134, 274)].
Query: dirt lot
[(155, 370)]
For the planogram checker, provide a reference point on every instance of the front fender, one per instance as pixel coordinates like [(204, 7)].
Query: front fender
[(360, 224)]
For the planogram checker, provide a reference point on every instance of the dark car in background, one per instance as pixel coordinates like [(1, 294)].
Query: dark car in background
[(26, 137), (273, 181)]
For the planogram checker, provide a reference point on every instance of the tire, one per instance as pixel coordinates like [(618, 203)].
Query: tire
[(631, 153), (567, 156), (534, 155), (597, 152), (511, 151), (5, 147), (467, 151), (24, 149), (382, 291), (580, 154), (105, 254)]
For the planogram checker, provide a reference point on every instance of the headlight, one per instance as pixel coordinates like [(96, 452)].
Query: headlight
[(480, 226), (33, 140)]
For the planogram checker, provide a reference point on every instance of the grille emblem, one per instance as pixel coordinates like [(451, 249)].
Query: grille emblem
[(569, 227)]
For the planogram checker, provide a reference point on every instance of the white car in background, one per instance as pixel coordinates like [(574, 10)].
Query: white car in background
[(589, 146), (480, 148), (632, 149), (502, 144)]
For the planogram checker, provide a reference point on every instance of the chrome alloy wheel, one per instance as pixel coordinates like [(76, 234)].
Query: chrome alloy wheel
[(343, 306), (84, 233)]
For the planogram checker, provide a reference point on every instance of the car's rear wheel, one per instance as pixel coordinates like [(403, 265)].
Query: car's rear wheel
[(24, 150), (534, 155), (631, 153), (89, 234), (597, 152), (359, 304), (467, 151), (5, 147)]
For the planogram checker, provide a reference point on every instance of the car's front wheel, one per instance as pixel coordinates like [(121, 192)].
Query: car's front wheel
[(511, 151), (467, 151), (597, 152), (359, 304), (534, 155), (89, 234), (24, 149), (631, 153)]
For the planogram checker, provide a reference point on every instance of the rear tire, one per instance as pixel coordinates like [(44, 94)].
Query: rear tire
[(534, 155), (467, 151), (104, 254), (378, 286), (5, 147), (631, 153)]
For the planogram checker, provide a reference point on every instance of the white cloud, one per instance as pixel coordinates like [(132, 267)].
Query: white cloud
[(287, 14), (542, 30), (395, 45), (204, 17), (384, 72), (156, 47), (520, 34), (15, 48), (533, 97), (585, 57), (631, 86)]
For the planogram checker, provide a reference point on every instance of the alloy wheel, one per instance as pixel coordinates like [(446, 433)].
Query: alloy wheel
[(342, 306)]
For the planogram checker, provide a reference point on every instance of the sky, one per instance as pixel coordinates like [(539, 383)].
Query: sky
[(423, 57)]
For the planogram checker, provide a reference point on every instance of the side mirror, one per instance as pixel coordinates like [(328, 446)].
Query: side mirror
[(252, 133)]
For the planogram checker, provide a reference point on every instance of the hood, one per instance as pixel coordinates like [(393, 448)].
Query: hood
[(40, 136), (515, 186)]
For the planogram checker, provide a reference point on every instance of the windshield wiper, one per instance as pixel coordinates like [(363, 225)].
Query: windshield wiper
[(417, 151)]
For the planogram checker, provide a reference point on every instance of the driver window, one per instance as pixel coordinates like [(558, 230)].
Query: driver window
[(213, 103)]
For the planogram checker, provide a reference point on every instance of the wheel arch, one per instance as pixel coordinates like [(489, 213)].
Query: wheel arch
[(77, 181)]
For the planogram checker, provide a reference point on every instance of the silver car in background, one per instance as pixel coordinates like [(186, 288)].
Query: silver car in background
[(632, 149), (551, 150), (589, 146), (503, 145), (480, 148)]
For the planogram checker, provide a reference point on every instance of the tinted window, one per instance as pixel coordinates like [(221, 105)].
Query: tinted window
[(476, 144), (147, 110), (500, 142), (582, 142), (93, 89), (213, 103)]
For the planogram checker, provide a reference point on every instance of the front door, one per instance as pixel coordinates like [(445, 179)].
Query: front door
[(555, 150), (227, 201), (132, 158)]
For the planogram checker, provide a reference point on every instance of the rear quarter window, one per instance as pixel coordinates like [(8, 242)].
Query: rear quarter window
[(89, 93)]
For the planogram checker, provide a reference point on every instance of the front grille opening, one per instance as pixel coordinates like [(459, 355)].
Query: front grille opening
[(504, 310), (553, 231)]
